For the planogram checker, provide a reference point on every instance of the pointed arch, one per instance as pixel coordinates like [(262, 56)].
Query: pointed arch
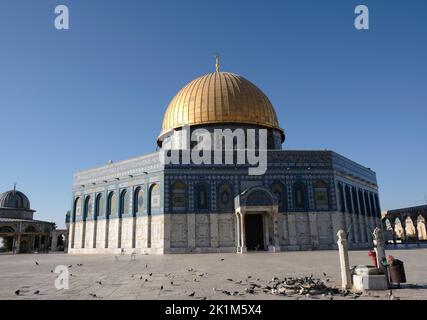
[(111, 204), (124, 203), (225, 197), (88, 206), (138, 201), (77, 208), (321, 195), (300, 195), (201, 196), (99, 206), (179, 196), (279, 190), (154, 196)]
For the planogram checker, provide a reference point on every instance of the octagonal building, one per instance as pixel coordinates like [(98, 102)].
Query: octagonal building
[(147, 205)]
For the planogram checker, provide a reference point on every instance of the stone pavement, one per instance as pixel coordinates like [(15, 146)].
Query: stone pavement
[(122, 278)]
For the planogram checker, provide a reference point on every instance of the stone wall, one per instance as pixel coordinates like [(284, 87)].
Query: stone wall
[(216, 232)]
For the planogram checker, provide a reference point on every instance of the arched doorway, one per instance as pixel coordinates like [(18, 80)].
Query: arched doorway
[(421, 225), (254, 232), (23, 247), (256, 220), (6, 239)]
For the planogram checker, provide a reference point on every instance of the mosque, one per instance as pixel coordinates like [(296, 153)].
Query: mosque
[(145, 206), (21, 233)]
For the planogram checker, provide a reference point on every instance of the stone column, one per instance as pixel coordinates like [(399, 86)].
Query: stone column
[(71, 231), (415, 224), (107, 232), (95, 231), (379, 248), (54, 245), (344, 261), (265, 218), (214, 230), (148, 235), (276, 240), (18, 243), (237, 230), (167, 232), (191, 225), (404, 238), (243, 248)]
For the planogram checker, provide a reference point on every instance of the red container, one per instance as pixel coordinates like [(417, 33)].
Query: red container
[(373, 255)]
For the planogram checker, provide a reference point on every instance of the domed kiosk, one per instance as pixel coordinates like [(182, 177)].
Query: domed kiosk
[(19, 232), (149, 205)]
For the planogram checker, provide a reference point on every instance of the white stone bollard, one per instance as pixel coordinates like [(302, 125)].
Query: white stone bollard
[(379, 248), (344, 261)]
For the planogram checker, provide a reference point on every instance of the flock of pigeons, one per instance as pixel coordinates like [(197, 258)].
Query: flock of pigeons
[(295, 287)]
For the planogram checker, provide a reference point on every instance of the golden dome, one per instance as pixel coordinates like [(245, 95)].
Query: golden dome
[(219, 97)]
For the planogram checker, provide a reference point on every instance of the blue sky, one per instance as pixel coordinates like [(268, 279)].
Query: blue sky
[(74, 99)]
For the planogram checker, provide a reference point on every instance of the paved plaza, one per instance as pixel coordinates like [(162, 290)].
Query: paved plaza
[(176, 277)]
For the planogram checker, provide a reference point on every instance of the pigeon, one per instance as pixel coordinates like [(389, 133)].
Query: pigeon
[(18, 292), (37, 292), (250, 290), (37, 263), (161, 288), (93, 295), (51, 271), (324, 274), (99, 282), (202, 298), (171, 282), (222, 259), (80, 264), (150, 274), (146, 266), (229, 279), (70, 266), (192, 294), (146, 280), (140, 278)]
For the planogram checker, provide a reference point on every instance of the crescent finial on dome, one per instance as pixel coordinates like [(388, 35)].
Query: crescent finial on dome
[(217, 62)]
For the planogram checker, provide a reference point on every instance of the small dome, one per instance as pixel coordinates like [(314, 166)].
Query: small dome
[(14, 199), (220, 97)]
